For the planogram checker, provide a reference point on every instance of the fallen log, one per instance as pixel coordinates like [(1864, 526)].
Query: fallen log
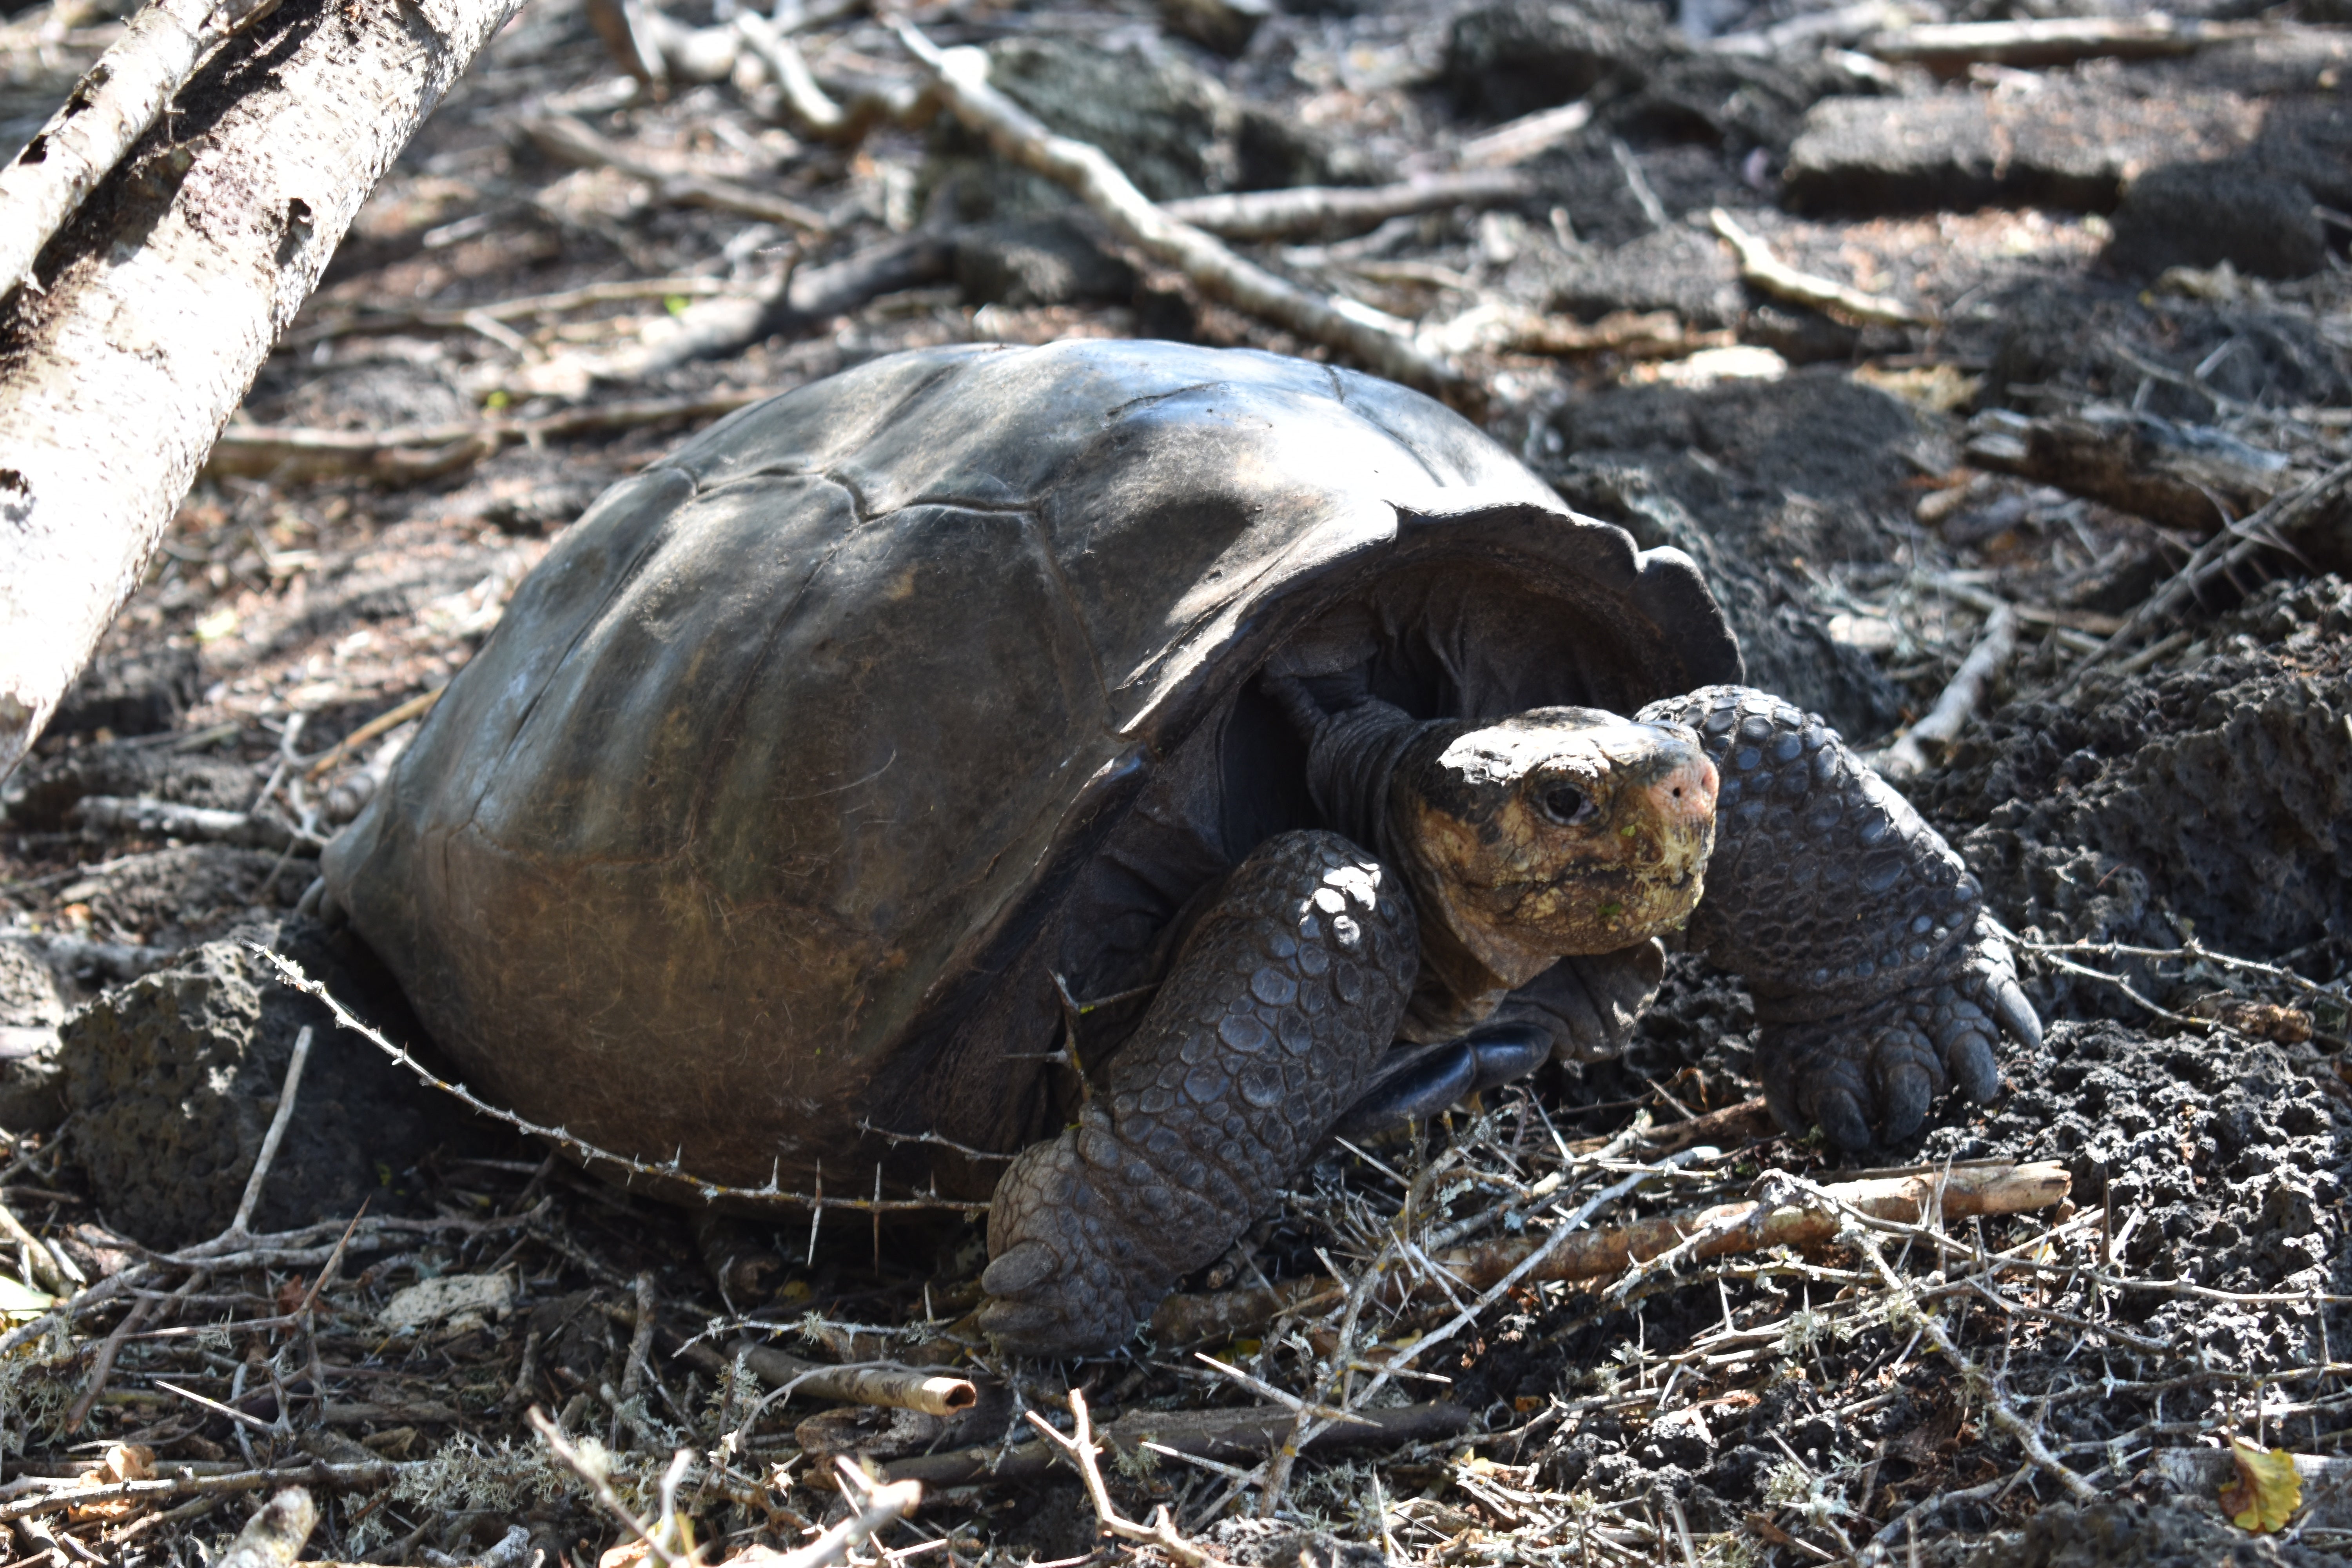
[(2189, 477), (1749, 1226), (161, 297)]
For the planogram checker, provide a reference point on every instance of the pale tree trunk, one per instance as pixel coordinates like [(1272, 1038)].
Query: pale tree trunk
[(159, 302)]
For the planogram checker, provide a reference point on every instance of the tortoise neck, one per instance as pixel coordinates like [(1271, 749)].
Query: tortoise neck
[(1351, 756)]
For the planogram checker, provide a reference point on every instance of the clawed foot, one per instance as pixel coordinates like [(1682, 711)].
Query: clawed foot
[(1873, 1078), (1069, 1276)]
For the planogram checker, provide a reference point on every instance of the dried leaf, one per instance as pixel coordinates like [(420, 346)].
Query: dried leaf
[(2266, 1492)]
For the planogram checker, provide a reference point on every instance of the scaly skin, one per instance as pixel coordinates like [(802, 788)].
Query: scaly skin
[(1271, 1019), (1878, 979)]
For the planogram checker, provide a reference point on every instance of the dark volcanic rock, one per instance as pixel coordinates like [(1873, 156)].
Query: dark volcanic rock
[(1510, 59), (32, 1087), (1038, 261), (2072, 143), (1161, 120), (2220, 794), (2122, 1533), (2200, 214), (49, 789), (1675, 269), (141, 694), (1758, 481), (174, 1080)]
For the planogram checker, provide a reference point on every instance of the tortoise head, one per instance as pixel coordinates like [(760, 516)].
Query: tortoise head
[(1559, 831)]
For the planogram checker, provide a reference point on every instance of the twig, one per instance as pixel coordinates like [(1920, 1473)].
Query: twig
[(1516, 140), (562, 137), (102, 1364), (314, 1473), (890, 1387), (1079, 1445), (1377, 342), (601, 1486), (378, 319), (398, 455), (1241, 1435), (1768, 272), (100, 814), (45, 1269), (1942, 726), (270, 1140), (641, 1342), (1951, 48), (392, 717), (808, 109), (1313, 209), (873, 1509), (290, 974)]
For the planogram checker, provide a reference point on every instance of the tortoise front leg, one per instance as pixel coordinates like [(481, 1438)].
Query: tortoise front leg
[(1879, 981), (1277, 1011)]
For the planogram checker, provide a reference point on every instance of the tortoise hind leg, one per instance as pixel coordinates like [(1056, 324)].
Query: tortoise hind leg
[(1277, 1010)]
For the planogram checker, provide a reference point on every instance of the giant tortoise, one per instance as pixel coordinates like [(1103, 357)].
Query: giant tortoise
[(1144, 758)]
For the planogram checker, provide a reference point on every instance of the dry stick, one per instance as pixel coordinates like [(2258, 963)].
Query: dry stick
[(1515, 141), (1564, 1256), (1951, 47), (166, 295), (1380, 344), (316, 1473), (600, 1486), (39, 1263), (237, 1227), (117, 102), (808, 109), (641, 1342), (873, 1509), (1080, 1448), (102, 1364), (290, 974), (1310, 210), (893, 1387), (1768, 272), (1961, 698), (2225, 553), (390, 719), (372, 319), (403, 453), (565, 138)]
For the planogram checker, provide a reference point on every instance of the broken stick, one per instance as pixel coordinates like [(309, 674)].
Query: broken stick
[(1314, 209), (566, 140), (1770, 273), (1749, 1226), (1942, 726), (1377, 342)]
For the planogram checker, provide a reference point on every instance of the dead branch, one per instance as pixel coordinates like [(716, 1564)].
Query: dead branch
[(713, 328), (809, 109), (401, 455), (392, 717), (1770, 273), (1909, 756), (275, 1535), (1599, 1254), (1220, 1435), (171, 819), (1502, 326), (1079, 1447), (2187, 477), (891, 1387), (566, 140), (1377, 342), (46, 1272), (371, 318), (117, 102), (237, 1231), (162, 1488), (1318, 209), (601, 1486), (1949, 48), (160, 305)]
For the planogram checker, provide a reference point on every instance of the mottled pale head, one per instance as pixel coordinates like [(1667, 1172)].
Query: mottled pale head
[(1559, 831)]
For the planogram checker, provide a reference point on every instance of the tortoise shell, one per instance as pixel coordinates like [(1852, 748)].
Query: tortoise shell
[(812, 753)]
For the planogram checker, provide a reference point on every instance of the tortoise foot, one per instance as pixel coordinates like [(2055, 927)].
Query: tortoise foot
[(1880, 1072), (1270, 1024)]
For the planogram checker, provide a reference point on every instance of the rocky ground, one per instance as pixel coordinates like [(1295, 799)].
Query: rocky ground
[(2089, 377)]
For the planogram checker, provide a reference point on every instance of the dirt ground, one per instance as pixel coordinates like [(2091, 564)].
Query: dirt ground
[(2116, 410)]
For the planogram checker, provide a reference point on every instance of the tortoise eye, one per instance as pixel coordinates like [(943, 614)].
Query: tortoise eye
[(1568, 806)]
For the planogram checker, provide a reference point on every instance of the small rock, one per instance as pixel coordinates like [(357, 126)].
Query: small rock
[(2200, 214), (450, 1298), (32, 1084), (1225, 26), (1510, 58)]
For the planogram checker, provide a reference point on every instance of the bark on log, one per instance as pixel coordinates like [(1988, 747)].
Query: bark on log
[(162, 297)]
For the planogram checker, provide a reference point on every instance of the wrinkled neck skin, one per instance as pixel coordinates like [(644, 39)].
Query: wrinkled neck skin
[(1353, 756)]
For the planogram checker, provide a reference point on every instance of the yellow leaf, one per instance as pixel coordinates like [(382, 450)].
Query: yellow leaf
[(19, 1299), (2266, 1492)]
